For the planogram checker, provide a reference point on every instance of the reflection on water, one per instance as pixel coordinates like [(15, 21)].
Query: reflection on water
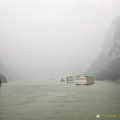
[(53, 100)]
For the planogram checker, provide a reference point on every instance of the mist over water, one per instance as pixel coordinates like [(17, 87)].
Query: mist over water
[(42, 41), (53, 38)]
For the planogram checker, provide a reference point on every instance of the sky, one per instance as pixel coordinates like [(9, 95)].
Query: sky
[(53, 37)]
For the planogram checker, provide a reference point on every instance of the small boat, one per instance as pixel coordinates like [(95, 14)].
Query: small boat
[(69, 79), (62, 80), (84, 80)]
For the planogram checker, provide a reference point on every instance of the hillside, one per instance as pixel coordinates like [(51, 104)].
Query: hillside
[(3, 78), (107, 64)]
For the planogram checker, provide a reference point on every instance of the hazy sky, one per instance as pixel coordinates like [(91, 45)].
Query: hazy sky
[(54, 37)]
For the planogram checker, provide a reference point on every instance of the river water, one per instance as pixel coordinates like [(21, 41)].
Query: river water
[(55, 100)]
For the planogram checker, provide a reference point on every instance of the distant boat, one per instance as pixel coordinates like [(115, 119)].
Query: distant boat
[(62, 80), (84, 80), (69, 79)]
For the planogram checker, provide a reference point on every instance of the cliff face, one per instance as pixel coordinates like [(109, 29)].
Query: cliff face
[(3, 78), (107, 64), (115, 51)]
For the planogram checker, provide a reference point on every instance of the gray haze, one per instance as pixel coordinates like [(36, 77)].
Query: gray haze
[(53, 38)]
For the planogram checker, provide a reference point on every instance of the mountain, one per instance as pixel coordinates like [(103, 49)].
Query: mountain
[(3, 78), (107, 64)]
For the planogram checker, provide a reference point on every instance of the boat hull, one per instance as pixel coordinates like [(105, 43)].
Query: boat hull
[(69, 79), (85, 80)]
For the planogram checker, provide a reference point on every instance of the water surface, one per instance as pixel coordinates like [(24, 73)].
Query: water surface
[(54, 100)]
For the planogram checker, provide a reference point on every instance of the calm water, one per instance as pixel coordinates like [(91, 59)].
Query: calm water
[(53, 100)]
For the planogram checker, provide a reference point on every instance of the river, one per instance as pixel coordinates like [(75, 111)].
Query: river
[(55, 100)]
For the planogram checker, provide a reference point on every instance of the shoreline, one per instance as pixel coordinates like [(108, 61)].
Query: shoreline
[(109, 80)]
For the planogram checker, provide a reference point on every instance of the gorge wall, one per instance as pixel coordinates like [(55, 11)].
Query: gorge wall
[(107, 64)]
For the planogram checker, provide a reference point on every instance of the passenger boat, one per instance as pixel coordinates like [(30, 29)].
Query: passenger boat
[(84, 80), (69, 79)]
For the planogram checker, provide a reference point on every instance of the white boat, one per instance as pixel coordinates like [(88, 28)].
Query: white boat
[(84, 80), (69, 79)]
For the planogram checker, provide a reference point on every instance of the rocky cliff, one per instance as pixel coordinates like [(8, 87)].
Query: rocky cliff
[(3, 78), (107, 64), (115, 51)]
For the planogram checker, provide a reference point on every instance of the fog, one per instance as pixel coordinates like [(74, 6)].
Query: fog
[(53, 38)]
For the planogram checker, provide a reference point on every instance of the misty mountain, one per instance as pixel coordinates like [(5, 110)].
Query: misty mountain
[(107, 64), (3, 78)]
